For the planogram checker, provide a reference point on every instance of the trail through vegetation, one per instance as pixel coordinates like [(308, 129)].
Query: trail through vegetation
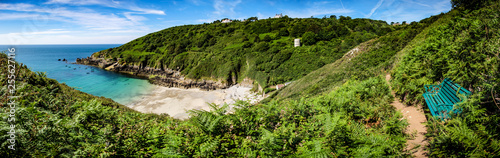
[(57, 121), (416, 127), (332, 109)]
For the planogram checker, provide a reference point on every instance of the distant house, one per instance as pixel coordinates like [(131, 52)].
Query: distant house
[(226, 21), (278, 15), (396, 24), (280, 86)]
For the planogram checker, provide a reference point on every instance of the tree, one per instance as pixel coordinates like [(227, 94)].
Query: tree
[(342, 19), (244, 38), (469, 4), (267, 38), (253, 19), (283, 32), (256, 39), (309, 38)]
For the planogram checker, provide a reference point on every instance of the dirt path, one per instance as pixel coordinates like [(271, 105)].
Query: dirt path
[(415, 117)]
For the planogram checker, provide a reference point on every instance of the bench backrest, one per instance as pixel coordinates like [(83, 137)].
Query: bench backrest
[(449, 92)]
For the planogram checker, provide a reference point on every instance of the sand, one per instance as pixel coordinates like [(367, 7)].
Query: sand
[(177, 101)]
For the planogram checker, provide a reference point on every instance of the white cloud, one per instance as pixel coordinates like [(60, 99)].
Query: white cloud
[(418, 3), (109, 3), (374, 9), (146, 11), (315, 12), (225, 8), (25, 36), (66, 39), (321, 3), (91, 27), (205, 20), (48, 32), (317, 8), (17, 7), (88, 18), (408, 10), (7, 16), (83, 2), (134, 18), (271, 3), (261, 16), (195, 2)]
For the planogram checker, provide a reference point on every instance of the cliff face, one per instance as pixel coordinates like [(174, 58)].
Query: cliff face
[(162, 77)]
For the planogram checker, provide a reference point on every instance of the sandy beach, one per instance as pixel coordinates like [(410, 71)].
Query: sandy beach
[(177, 101)]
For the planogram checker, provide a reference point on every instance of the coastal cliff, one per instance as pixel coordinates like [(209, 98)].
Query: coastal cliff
[(162, 77)]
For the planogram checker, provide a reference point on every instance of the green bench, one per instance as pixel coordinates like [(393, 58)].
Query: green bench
[(441, 98)]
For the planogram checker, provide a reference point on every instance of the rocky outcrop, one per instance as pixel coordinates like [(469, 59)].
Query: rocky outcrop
[(93, 61), (162, 77)]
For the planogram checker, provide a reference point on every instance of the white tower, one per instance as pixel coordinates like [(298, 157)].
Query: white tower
[(297, 42)]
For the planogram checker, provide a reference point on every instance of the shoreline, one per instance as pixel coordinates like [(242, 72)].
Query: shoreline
[(174, 94), (158, 76), (177, 101)]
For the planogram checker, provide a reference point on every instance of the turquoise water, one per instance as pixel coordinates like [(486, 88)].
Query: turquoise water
[(44, 58)]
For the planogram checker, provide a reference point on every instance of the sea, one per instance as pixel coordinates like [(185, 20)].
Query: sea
[(124, 89)]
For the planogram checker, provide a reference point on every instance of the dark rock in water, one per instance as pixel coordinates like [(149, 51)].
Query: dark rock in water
[(88, 72), (65, 65), (58, 59), (74, 68)]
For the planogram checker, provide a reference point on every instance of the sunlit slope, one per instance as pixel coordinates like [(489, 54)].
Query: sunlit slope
[(262, 50), (368, 59), (464, 47)]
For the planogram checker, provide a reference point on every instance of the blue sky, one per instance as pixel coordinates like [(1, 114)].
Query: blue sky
[(117, 21)]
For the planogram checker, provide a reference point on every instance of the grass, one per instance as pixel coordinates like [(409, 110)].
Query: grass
[(231, 46), (322, 79)]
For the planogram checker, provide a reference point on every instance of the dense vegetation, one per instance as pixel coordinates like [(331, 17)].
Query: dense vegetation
[(365, 61), (340, 109), (259, 49), (464, 46), (53, 119)]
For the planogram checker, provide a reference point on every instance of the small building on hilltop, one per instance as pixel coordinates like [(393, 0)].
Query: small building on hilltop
[(226, 21), (278, 15)]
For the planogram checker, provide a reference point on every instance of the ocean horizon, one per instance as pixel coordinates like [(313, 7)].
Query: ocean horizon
[(124, 89)]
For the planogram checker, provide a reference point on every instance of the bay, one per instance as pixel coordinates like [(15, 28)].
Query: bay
[(121, 88)]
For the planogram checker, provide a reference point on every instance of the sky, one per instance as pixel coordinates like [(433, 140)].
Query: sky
[(120, 21)]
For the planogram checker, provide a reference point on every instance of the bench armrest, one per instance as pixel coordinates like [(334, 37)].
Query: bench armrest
[(432, 88)]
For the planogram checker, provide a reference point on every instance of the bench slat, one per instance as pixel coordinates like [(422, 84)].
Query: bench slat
[(442, 102), (430, 104), (452, 88), (450, 95)]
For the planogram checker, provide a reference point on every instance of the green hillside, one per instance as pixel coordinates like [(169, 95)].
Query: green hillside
[(54, 120), (336, 108), (259, 49), (366, 60), (463, 46)]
